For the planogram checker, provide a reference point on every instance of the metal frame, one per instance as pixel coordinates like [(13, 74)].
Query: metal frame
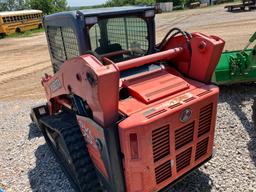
[(76, 21)]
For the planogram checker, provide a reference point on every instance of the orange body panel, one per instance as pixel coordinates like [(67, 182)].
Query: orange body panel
[(156, 86), (104, 85), (168, 147), (90, 131), (163, 138), (166, 124), (206, 51)]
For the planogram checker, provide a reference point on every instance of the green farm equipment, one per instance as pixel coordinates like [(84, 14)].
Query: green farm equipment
[(237, 66)]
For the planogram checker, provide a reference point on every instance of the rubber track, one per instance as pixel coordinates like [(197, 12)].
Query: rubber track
[(84, 168)]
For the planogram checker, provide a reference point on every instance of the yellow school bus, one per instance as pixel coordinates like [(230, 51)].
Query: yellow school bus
[(19, 21)]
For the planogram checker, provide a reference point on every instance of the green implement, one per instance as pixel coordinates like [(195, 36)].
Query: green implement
[(237, 66)]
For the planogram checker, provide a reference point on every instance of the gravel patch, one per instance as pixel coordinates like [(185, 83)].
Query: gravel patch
[(27, 164)]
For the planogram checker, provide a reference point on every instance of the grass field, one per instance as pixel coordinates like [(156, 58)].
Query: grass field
[(29, 33)]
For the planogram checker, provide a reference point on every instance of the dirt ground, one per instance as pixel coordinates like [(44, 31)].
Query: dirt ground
[(23, 61)]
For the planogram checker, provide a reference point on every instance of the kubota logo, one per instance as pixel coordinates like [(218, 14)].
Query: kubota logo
[(87, 134)]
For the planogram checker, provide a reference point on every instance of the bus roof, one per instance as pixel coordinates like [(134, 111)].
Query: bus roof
[(23, 12)]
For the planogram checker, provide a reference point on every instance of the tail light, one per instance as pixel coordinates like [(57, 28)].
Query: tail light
[(134, 146)]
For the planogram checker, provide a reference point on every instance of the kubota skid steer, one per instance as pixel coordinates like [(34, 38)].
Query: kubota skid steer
[(125, 114)]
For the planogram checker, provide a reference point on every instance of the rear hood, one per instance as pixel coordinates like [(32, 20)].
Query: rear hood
[(156, 88)]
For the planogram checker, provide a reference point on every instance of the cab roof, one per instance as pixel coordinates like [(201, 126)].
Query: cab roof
[(98, 12), (114, 10)]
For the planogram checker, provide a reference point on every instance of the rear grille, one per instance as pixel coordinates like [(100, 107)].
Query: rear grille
[(204, 93), (161, 142), (189, 99), (163, 172), (183, 159), (155, 114), (189, 146), (184, 135), (205, 120), (175, 105), (201, 148)]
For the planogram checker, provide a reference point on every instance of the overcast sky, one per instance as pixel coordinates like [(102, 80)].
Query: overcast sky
[(75, 3)]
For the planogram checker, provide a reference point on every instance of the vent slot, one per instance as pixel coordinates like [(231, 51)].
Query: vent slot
[(161, 142), (175, 105), (184, 135), (204, 93), (201, 148), (163, 172), (189, 99), (183, 159), (156, 113), (205, 120)]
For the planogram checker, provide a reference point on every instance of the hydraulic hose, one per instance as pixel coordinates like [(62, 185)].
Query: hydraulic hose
[(187, 36)]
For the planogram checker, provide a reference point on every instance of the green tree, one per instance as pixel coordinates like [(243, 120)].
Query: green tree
[(49, 6), (3, 7), (59, 5), (11, 5), (145, 2), (44, 5)]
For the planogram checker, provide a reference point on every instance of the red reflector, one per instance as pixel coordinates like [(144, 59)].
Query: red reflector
[(134, 146)]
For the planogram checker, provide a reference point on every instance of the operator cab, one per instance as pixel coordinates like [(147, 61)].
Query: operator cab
[(119, 33)]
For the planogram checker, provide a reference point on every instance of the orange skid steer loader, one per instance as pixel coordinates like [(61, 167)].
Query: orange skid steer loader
[(124, 113)]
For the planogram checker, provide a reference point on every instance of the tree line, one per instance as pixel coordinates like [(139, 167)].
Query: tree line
[(47, 6), (53, 6)]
